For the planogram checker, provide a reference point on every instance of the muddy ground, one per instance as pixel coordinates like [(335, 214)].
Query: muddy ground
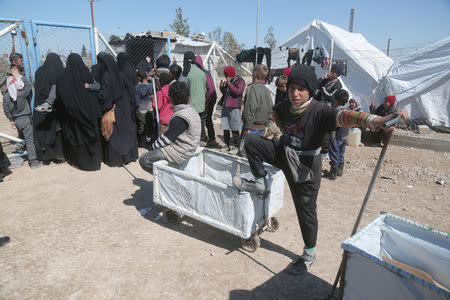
[(80, 235)]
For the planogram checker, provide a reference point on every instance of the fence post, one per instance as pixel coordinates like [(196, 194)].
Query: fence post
[(94, 45), (37, 49), (23, 45), (168, 48)]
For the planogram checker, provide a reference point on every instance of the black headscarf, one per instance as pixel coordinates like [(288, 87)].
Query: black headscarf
[(123, 62), (189, 58), (80, 105), (46, 76), (108, 64)]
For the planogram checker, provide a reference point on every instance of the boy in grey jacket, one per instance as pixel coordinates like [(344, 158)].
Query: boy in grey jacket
[(257, 105), (19, 114)]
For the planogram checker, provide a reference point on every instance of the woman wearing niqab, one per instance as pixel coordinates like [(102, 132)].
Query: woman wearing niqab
[(80, 116), (47, 130), (117, 98)]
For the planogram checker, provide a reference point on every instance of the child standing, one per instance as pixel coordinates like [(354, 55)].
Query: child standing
[(17, 109), (144, 109), (338, 143), (232, 90)]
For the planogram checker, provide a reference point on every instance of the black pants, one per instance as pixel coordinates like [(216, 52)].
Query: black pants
[(209, 110), (145, 125), (227, 138), (202, 116), (259, 150)]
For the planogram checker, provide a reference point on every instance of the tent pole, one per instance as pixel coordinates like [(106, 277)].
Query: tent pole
[(340, 276), (331, 55)]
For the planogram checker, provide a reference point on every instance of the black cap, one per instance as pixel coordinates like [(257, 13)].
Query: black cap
[(305, 76)]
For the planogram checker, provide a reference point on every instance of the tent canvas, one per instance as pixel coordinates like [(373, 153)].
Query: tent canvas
[(421, 83), (366, 64)]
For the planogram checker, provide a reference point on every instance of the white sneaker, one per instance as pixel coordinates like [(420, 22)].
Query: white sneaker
[(44, 107)]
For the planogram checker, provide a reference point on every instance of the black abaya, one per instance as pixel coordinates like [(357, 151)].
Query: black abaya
[(122, 145), (80, 114), (47, 131)]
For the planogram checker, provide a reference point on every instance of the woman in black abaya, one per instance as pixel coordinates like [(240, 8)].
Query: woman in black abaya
[(123, 62), (80, 115), (47, 130), (116, 97)]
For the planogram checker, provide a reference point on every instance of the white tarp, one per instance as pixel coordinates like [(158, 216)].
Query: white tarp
[(366, 64), (369, 276), (421, 84), (202, 188)]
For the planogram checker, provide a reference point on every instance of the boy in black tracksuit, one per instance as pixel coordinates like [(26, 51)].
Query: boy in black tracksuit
[(304, 122)]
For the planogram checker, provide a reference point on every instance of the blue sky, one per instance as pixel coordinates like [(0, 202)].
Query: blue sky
[(407, 23)]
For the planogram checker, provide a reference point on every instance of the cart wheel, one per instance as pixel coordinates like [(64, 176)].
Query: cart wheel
[(273, 224), (171, 217), (251, 244)]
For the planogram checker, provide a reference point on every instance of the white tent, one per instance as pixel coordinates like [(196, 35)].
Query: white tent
[(421, 84), (366, 64)]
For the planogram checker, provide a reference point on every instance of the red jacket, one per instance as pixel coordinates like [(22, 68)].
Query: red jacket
[(232, 92), (165, 113)]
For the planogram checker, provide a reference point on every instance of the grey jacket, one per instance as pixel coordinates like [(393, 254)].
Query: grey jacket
[(20, 107), (184, 146), (257, 105)]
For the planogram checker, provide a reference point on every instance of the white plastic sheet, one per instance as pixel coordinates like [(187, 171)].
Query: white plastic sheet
[(368, 276), (202, 188), (421, 83)]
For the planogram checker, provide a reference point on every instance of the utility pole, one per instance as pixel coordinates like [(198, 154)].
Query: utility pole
[(352, 14), (92, 13), (388, 46), (256, 43)]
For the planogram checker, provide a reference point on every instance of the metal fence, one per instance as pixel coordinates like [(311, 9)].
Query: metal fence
[(140, 46), (10, 42)]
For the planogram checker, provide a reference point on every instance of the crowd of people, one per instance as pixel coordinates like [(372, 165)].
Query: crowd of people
[(85, 117)]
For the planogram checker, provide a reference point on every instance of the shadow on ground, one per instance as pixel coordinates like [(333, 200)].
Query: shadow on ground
[(142, 198), (285, 286)]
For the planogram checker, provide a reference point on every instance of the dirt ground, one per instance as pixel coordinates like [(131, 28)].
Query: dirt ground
[(80, 235)]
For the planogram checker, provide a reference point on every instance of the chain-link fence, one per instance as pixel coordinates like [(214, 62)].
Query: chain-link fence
[(139, 46), (64, 40)]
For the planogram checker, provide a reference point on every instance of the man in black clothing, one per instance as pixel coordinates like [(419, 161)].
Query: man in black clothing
[(304, 121)]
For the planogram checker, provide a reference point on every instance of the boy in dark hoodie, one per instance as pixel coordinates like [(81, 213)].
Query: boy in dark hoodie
[(338, 143), (304, 121), (144, 110)]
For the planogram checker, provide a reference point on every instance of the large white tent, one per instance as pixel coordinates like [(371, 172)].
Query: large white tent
[(366, 64), (421, 83)]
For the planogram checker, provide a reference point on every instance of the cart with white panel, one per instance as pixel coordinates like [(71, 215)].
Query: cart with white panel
[(202, 188)]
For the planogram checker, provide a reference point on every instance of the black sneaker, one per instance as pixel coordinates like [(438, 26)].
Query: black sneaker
[(212, 144), (301, 265), (258, 189), (34, 164), (340, 170), (332, 175), (4, 240)]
